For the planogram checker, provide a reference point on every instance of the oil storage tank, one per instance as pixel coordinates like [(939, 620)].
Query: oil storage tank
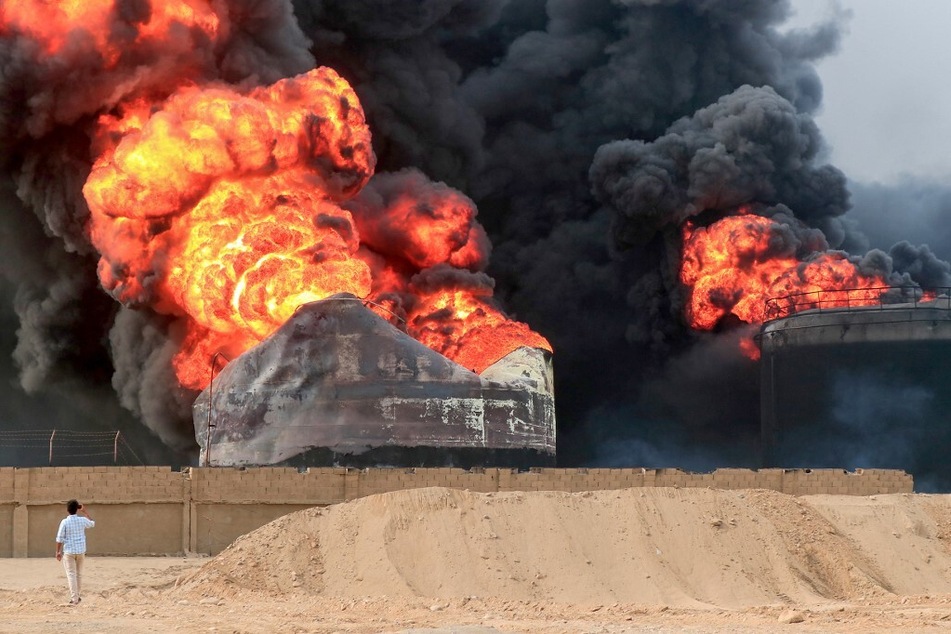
[(859, 386), (339, 385)]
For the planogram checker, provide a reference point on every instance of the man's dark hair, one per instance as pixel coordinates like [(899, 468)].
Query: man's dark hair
[(72, 506)]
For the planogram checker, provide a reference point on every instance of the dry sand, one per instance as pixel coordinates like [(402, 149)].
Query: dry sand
[(635, 560)]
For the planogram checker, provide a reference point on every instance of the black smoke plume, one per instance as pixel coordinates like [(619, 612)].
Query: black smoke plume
[(585, 132)]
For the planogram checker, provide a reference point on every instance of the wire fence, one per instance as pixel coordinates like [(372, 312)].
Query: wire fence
[(65, 447)]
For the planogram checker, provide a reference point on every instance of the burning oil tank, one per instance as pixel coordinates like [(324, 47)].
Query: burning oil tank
[(337, 384), (854, 386)]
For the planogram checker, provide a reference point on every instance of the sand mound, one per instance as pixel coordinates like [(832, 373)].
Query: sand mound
[(656, 546)]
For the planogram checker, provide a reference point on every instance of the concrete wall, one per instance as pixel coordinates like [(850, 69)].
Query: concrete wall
[(154, 510)]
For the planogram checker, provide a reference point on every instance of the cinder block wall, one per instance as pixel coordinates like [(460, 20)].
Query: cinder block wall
[(157, 511), (138, 510)]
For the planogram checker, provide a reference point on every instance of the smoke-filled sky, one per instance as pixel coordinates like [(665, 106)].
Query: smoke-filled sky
[(590, 135)]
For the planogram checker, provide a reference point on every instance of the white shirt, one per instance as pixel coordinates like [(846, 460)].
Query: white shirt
[(72, 534)]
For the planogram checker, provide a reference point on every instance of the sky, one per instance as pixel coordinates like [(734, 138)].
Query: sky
[(886, 100)]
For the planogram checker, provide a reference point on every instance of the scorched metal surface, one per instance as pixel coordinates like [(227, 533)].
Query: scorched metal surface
[(337, 384)]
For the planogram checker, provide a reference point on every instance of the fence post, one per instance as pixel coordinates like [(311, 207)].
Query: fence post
[(115, 449), (53, 435)]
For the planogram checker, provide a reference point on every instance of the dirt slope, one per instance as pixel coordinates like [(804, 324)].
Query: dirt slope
[(686, 548)]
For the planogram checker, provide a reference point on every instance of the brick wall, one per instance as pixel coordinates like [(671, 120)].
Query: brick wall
[(154, 510)]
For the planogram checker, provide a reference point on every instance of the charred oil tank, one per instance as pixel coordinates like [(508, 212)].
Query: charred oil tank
[(860, 387), (339, 385)]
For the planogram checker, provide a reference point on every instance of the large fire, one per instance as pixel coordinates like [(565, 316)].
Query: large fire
[(86, 23), (730, 268), (228, 207)]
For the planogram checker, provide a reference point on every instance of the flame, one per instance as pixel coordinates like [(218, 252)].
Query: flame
[(462, 325), (749, 349), (228, 209), (729, 268), (248, 271), (425, 233), (63, 24)]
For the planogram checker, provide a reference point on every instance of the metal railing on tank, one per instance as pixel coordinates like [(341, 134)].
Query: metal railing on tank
[(852, 299)]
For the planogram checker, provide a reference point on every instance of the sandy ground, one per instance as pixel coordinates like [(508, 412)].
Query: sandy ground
[(441, 560)]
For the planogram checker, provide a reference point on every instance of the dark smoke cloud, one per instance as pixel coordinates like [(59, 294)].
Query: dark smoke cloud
[(750, 146), (583, 131), (714, 96), (517, 103), (142, 346), (920, 264), (53, 321), (912, 209), (392, 201), (39, 91), (71, 344)]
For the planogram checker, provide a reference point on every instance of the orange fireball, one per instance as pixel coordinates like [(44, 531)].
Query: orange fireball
[(225, 208), (99, 24), (729, 268), (461, 324)]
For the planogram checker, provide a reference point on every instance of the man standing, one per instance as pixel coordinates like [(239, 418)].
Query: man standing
[(71, 545)]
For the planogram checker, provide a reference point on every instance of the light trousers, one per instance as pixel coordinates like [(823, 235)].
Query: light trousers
[(74, 569)]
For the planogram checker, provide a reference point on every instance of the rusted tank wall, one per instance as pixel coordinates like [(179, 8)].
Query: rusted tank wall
[(339, 385)]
